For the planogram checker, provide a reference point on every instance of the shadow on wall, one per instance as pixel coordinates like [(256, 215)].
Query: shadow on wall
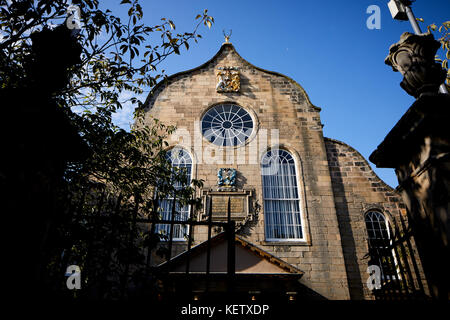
[(348, 242), (241, 181)]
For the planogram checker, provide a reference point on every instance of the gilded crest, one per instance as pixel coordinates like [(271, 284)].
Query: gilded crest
[(226, 179), (228, 79)]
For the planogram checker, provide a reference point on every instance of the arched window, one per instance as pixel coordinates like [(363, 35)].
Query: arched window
[(282, 214), (179, 158), (380, 250), (377, 229)]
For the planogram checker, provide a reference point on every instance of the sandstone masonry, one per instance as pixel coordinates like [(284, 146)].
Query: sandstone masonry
[(336, 184)]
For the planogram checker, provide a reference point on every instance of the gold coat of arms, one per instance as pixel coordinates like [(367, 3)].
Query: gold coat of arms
[(228, 79)]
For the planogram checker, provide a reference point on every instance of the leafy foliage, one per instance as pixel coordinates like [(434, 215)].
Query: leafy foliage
[(117, 55), (442, 34), (444, 38), (103, 197)]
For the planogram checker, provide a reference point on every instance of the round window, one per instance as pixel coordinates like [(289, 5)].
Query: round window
[(227, 125)]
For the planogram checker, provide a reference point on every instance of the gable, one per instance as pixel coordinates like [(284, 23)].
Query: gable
[(227, 54), (249, 259)]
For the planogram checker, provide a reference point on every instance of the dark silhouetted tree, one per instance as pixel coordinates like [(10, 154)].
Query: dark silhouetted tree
[(74, 183)]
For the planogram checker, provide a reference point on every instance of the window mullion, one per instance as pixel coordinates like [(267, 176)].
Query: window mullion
[(281, 203)]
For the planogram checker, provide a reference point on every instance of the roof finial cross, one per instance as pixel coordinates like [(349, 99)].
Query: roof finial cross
[(227, 35)]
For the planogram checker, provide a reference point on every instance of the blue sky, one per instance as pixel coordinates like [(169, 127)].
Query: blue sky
[(323, 45)]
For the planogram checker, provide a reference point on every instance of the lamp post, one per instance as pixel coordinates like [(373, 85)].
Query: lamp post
[(401, 10)]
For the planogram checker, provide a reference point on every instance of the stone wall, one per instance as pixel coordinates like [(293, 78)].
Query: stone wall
[(336, 184), (357, 189)]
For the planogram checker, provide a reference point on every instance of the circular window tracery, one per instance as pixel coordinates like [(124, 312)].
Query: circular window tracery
[(227, 125)]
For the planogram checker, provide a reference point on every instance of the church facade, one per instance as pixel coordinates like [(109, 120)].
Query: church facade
[(305, 204)]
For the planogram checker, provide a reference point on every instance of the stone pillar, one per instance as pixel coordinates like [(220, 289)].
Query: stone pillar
[(418, 148)]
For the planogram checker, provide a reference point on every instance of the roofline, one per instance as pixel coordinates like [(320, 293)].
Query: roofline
[(197, 247), (262, 253), (362, 157), (239, 275), (222, 48)]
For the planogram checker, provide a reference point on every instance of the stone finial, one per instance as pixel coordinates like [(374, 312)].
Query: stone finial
[(413, 57)]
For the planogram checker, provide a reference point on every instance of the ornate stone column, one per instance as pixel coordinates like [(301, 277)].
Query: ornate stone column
[(413, 56)]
